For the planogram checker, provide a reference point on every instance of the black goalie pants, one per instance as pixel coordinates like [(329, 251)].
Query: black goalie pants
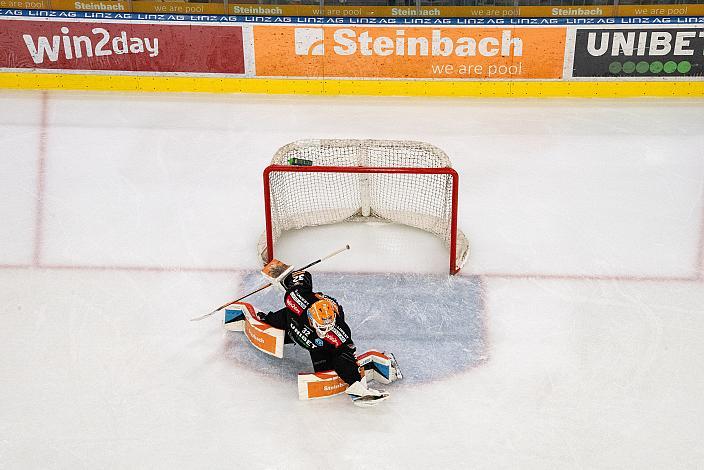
[(344, 363)]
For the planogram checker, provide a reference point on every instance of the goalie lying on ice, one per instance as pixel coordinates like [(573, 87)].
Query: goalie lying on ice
[(316, 322)]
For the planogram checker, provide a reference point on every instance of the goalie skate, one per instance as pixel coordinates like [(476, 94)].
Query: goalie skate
[(363, 396)]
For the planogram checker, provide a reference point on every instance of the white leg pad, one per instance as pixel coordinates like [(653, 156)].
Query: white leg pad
[(379, 366)]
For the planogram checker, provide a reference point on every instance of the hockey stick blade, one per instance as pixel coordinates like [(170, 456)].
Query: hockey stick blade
[(204, 316), (230, 303)]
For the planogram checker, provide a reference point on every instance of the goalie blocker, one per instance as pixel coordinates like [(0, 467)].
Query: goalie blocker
[(241, 316)]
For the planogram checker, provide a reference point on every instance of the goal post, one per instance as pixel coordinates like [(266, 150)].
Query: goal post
[(404, 182)]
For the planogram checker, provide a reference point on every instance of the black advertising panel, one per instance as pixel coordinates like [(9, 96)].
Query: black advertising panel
[(636, 52)]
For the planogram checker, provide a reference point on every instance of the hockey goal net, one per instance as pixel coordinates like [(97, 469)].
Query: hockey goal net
[(319, 182)]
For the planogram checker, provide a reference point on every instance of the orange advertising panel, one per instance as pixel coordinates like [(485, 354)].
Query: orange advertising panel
[(409, 52)]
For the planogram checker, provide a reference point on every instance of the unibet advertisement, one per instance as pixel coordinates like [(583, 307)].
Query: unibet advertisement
[(59, 45), (409, 52), (633, 53)]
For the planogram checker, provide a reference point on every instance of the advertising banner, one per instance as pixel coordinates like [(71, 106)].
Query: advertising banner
[(133, 47), (190, 8), (377, 11), (407, 52), (639, 52), (91, 5), (345, 55), (28, 4)]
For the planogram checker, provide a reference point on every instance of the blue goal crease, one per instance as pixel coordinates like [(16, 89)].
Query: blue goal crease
[(433, 323)]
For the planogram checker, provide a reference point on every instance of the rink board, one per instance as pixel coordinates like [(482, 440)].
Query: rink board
[(43, 81), (544, 57), (433, 323)]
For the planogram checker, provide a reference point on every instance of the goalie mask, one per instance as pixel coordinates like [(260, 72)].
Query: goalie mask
[(321, 315)]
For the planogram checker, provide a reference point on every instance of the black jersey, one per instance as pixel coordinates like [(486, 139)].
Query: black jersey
[(294, 317), (335, 351)]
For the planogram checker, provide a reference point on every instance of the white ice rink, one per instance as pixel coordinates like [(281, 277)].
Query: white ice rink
[(125, 215)]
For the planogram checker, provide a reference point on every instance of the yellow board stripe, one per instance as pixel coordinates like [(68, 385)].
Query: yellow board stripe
[(606, 89)]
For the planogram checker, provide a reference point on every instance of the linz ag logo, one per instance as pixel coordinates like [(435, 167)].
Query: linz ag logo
[(639, 53)]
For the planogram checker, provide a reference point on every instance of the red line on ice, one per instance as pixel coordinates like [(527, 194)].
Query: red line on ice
[(136, 268), (205, 269), (700, 257), (14, 266), (41, 174), (589, 277)]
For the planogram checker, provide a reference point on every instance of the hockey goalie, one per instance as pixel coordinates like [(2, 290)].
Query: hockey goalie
[(316, 322)]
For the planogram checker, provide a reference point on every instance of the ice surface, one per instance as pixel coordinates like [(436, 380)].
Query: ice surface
[(126, 215)]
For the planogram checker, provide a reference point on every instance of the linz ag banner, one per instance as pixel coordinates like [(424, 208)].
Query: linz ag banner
[(665, 52), (409, 52), (56, 45)]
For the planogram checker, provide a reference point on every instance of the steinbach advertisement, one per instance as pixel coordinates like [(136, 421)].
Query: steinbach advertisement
[(410, 52), (129, 47), (639, 52)]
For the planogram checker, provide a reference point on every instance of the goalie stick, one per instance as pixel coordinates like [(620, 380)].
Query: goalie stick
[(336, 252)]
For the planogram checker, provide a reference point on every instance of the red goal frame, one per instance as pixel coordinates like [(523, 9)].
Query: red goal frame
[(454, 269)]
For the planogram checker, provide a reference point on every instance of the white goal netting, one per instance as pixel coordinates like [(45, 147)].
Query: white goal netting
[(405, 182)]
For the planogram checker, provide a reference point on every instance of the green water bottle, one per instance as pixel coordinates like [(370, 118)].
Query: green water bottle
[(299, 161)]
